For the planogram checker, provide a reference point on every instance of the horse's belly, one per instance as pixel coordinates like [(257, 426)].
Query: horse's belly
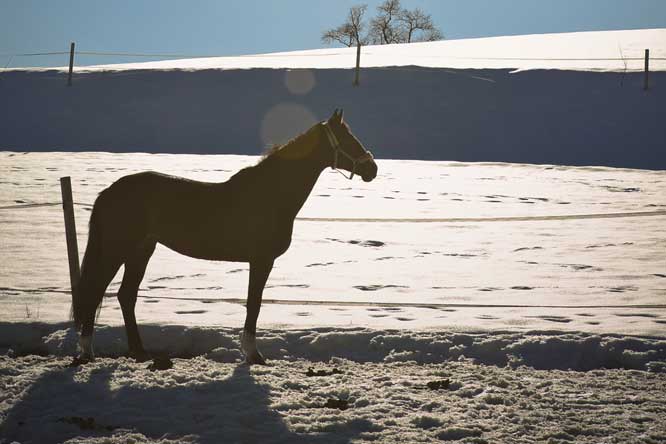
[(209, 252), (205, 242)]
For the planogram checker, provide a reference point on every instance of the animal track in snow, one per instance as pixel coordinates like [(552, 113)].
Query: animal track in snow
[(288, 286), (552, 318), (638, 315), (366, 243), (318, 264), (377, 287)]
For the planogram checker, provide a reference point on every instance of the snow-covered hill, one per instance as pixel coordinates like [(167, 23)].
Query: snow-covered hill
[(582, 51), (453, 101)]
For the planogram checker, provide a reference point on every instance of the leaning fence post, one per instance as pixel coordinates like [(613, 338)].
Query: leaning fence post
[(358, 63), (646, 83), (71, 64), (70, 233)]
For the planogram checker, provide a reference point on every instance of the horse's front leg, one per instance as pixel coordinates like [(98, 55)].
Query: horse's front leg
[(259, 271)]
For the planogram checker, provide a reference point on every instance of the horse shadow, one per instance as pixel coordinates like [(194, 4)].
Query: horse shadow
[(68, 403)]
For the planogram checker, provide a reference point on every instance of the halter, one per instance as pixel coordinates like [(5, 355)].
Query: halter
[(335, 145)]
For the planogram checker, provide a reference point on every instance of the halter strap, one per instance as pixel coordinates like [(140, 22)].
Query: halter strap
[(335, 146)]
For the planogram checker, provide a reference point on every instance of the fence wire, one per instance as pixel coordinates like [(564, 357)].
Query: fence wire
[(101, 53), (419, 220)]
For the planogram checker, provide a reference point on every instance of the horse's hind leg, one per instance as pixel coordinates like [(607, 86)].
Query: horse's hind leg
[(95, 277), (135, 268)]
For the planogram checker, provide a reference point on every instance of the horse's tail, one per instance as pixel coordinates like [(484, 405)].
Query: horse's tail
[(92, 256)]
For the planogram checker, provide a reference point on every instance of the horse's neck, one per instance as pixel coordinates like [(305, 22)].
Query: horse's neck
[(296, 171)]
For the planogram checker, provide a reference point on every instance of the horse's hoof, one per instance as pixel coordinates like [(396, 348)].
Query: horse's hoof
[(140, 356), (255, 358), (80, 360), (160, 363)]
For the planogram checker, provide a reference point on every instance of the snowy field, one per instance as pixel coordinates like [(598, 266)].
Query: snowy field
[(600, 275), (201, 400), (565, 99), (470, 304), (618, 51)]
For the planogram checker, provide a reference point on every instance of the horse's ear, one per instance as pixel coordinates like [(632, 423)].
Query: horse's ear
[(337, 116)]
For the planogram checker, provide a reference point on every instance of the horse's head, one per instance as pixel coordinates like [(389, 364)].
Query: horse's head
[(348, 153)]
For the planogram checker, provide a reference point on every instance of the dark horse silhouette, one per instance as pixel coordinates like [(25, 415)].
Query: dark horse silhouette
[(248, 218)]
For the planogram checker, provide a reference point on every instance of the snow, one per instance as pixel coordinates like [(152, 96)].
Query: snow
[(203, 401), (470, 330), (543, 350), (591, 275), (427, 353), (431, 107), (581, 51)]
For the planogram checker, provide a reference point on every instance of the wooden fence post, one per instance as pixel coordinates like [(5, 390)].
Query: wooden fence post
[(70, 234), (358, 63), (71, 64), (646, 83)]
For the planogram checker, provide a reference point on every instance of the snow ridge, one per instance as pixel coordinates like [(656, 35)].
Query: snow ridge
[(542, 350)]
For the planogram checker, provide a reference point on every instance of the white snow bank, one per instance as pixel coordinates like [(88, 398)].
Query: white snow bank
[(580, 51), (202, 401), (540, 350)]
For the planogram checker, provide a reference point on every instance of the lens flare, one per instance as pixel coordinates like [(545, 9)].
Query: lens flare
[(283, 121), (299, 81)]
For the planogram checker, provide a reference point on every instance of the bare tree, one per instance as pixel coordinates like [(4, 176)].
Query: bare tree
[(393, 24), (349, 33), (384, 28), (414, 21)]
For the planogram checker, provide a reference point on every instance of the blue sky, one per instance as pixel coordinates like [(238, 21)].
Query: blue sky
[(233, 27)]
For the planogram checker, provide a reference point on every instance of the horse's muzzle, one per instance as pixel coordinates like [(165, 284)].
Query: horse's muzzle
[(369, 172)]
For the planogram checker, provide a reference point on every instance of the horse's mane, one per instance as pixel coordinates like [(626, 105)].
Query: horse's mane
[(268, 152), (275, 150)]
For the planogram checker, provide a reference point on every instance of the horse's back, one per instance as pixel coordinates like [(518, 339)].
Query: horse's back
[(198, 219)]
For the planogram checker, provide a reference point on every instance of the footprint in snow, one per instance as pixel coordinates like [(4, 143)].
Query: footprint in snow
[(638, 315), (322, 264), (560, 319), (289, 286), (377, 287)]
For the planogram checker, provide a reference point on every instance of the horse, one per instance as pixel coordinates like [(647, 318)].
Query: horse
[(248, 218)]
